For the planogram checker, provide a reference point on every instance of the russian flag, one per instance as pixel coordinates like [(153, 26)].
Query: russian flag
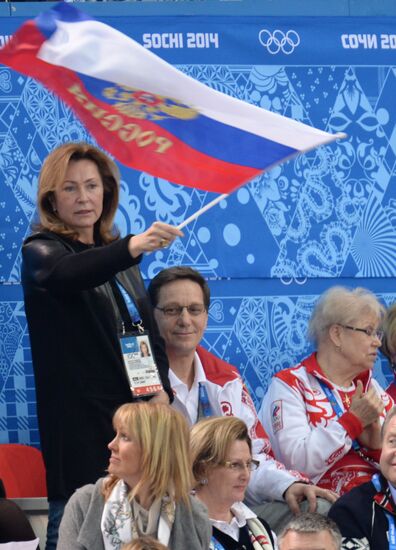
[(146, 113)]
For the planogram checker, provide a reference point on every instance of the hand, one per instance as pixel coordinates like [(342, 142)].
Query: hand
[(371, 436), (297, 492), (160, 397), (159, 235), (366, 406)]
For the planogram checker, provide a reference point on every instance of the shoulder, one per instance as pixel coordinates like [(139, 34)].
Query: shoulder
[(42, 236), (85, 496), (197, 512), (82, 496), (200, 519), (291, 376), (43, 243), (198, 507), (217, 370), (355, 500), (80, 525), (302, 371)]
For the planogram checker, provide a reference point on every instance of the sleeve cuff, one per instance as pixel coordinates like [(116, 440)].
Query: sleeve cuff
[(351, 424), (128, 259)]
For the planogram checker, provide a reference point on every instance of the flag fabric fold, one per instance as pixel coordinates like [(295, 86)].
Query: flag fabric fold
[(145, 112)]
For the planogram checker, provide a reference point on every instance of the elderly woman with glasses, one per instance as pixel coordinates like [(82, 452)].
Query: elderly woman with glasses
[(221, 453), (324, 415), (388, 346)]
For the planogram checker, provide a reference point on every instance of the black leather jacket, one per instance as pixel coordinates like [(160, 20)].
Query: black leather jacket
[(80, 378)]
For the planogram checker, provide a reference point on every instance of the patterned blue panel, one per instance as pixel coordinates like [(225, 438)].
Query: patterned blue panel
[(271, 247), (329, 213), (256, 325), (261, 327), (18, 422)]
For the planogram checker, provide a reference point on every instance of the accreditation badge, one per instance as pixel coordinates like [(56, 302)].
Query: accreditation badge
[(142, 371)]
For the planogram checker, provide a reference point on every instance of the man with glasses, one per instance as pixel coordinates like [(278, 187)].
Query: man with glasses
[(204, 385)]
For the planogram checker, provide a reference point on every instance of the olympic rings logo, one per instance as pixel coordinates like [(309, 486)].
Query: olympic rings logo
[(278, 41)]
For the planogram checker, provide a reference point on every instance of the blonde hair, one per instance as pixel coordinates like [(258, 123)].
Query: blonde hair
[(210, 441), (52, 176), (163, 437), (144, 543), (341, 306), (388, 346)]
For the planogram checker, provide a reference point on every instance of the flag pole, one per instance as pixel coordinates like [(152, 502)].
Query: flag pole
[(202, 210)]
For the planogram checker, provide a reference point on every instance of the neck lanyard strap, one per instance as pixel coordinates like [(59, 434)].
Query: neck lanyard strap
[(391, 520), (204, 407), (215, 544), (392, 531), (336, 407), (132, 309)]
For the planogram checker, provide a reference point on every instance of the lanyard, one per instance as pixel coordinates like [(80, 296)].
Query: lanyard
[(204, 407), (336, 407), (215, 544), (391, 520), (130, 304)]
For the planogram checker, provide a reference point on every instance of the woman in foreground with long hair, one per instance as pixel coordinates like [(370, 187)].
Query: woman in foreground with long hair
[(147, 491)]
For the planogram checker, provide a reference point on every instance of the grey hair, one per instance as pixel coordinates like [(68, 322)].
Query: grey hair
[(344, 306), (312, 523)]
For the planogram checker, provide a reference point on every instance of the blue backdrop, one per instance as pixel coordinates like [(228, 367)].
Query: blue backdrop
[(268, 250)]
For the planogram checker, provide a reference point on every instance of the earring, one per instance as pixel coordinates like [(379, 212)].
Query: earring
[(338, 348), (54, 209), (203, 481)]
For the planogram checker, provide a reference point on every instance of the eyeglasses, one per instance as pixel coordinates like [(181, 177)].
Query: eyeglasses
[(175, 311), (238, 466), (371, 332)]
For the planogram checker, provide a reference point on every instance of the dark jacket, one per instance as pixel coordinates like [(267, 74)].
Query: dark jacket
[(360, 515), (73, 321)]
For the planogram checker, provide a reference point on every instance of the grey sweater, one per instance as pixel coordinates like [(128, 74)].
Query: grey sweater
[(80, 526)]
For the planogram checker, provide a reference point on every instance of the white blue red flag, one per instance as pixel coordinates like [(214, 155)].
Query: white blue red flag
[(146, 113)]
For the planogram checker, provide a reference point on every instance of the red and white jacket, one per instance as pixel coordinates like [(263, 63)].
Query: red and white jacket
[(305, 432), (228, 396)]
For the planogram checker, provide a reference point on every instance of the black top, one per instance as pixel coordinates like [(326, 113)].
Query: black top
[(243, 543), (80, 378), (361, 516), (229, 543), (2, 490), (14, 525)]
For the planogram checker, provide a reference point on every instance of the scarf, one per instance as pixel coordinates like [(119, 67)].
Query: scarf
[(258, 535), (121, 521)]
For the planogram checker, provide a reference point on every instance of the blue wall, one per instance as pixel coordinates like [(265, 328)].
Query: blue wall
[(273, 246)]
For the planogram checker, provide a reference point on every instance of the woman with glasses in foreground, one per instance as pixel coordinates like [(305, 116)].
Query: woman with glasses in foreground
[(324, 415), (221, 453), (147, 491)]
